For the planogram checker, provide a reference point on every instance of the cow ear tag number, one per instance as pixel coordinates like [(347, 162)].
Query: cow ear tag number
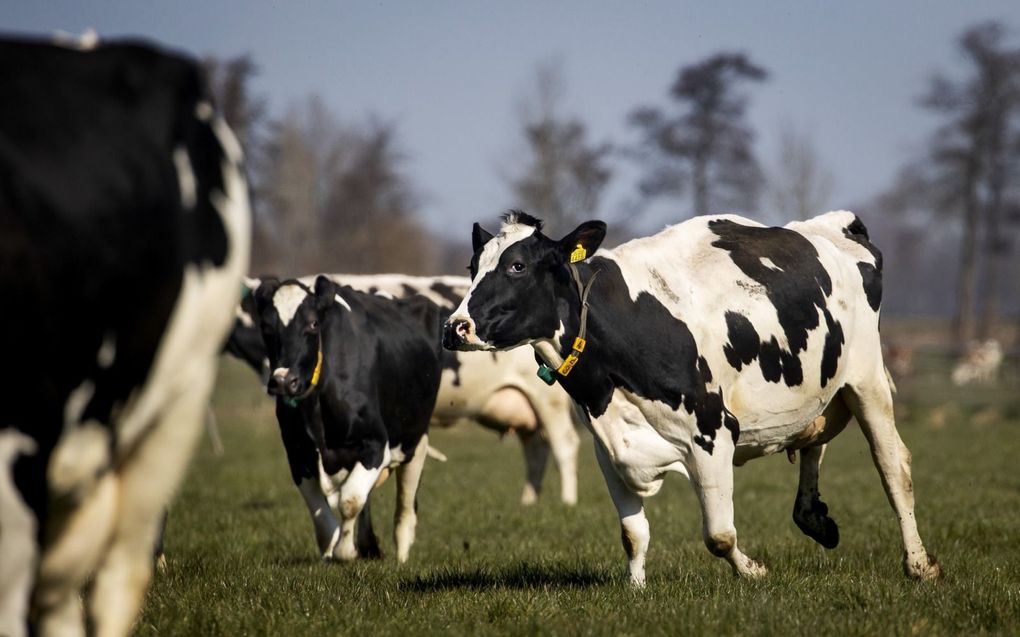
[(579, 254)]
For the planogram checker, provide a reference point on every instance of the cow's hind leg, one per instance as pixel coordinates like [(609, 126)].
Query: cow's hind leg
[(327, 529), (872, 405), (354, 494), (405, 517), (630, 507), (712, 478), (148, 479), (809, 512), (365, 538), (536, 456)]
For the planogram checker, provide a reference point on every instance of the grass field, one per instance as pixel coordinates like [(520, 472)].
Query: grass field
[(242, 558)]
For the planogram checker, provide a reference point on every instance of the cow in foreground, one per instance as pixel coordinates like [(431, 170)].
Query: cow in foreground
[(500, 392), (356, 377), (124, 228), (716, 341)]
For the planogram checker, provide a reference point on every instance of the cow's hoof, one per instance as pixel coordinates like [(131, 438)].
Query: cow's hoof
[(529, 496), (751, 569), (817, 525), (924, 569)]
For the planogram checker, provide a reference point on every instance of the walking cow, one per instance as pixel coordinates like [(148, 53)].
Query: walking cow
[(124, 228), (716, 341), (355, 377)]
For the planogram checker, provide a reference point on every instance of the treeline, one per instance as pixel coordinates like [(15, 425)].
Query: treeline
[(336, 195)]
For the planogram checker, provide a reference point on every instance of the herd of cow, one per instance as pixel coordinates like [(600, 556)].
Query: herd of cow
[(124, 229)]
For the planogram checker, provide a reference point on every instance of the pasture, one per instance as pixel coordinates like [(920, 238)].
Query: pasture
[(242, 559)]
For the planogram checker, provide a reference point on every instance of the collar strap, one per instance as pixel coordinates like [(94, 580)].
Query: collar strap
[(583, 290), (292, 402)]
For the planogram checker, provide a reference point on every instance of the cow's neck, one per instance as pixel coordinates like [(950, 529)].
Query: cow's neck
[(633, 344)]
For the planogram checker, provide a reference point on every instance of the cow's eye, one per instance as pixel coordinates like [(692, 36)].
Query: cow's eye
[(517, 267)]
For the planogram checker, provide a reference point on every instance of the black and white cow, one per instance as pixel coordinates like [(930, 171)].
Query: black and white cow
[(716, 341), (124, 233), (356, 377), (500, 391)]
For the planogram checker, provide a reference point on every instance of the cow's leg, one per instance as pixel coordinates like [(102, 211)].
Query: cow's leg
[(809, 512), (148, 479), (18, 544), (327, 529), (873, 406), (364, 535), (536, 456), (405, 517), (634, 531), (556, 419), (353, 495), (711, 476)]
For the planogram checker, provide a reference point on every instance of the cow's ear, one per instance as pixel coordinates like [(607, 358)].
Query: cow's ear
[(583, 241), (479, 237), (325, 290), (264, 293)]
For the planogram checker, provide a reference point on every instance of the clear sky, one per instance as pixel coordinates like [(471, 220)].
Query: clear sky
[(450, 73)]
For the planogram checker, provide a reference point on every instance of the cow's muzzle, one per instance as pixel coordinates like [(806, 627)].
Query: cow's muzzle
[(284, 382), (459, 333)]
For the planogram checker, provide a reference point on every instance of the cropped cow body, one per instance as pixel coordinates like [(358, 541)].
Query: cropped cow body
[(711, 343), (124, 228), (356, 377), (499, 391)]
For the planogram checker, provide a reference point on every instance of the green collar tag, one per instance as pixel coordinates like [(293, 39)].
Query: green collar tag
[(290, 402), (546, 374)]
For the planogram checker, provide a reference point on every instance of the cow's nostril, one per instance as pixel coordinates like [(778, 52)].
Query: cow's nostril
[(292, 385), (462, 328)]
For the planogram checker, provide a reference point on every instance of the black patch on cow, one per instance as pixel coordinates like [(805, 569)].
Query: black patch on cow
[(833, 347), (654, 355), (871, 274), (94, 239), (447, 293), (798, 289), (744, 343)]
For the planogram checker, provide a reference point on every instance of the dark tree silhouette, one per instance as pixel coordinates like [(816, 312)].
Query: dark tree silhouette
[(565, 175), (705, 145), (972, 155)]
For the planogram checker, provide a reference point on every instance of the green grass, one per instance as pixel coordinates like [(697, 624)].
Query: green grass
[(242, 558)]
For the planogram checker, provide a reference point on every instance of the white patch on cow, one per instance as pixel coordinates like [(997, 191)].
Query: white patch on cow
[(185, 178), (231, 147), (203, 111), (77, 401), (287, 300), (17, 537), (767, 262), (384, 294), (107, 351), (488, 260), (87, 41), (354, 494), (78, 460), (339, 299), (280, 373)]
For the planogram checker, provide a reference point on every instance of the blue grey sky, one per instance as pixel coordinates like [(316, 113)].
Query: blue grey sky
[(451, 73)]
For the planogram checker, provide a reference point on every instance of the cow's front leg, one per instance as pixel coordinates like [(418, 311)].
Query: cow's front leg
[(405, 517), (630, 507), (712, 478), (327, 529), (353, 496)]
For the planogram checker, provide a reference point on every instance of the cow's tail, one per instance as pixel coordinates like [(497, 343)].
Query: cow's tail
[(435, 454), (888, 377)]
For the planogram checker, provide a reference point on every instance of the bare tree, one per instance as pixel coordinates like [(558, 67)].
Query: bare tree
[(970, 155), (706, 145), (800, 185), (565, 175)]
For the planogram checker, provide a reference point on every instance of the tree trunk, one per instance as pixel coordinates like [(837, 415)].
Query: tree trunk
[(967, 280)]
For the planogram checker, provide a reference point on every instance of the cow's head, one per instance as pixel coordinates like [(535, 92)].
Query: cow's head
[(515, 277), (291, 318)]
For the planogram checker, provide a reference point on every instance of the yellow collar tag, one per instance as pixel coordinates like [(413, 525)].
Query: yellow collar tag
[(318, 370), (579, 254)]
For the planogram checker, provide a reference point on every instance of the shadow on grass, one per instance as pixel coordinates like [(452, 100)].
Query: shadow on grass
[(519, 576)]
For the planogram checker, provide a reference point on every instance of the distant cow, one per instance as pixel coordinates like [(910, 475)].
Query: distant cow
[(980, 363), (356, 377), (716, 341), (124, 229), (499, 391)]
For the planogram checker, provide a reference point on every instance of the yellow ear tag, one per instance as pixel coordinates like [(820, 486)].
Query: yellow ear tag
[(579, 254), (318, 370)]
